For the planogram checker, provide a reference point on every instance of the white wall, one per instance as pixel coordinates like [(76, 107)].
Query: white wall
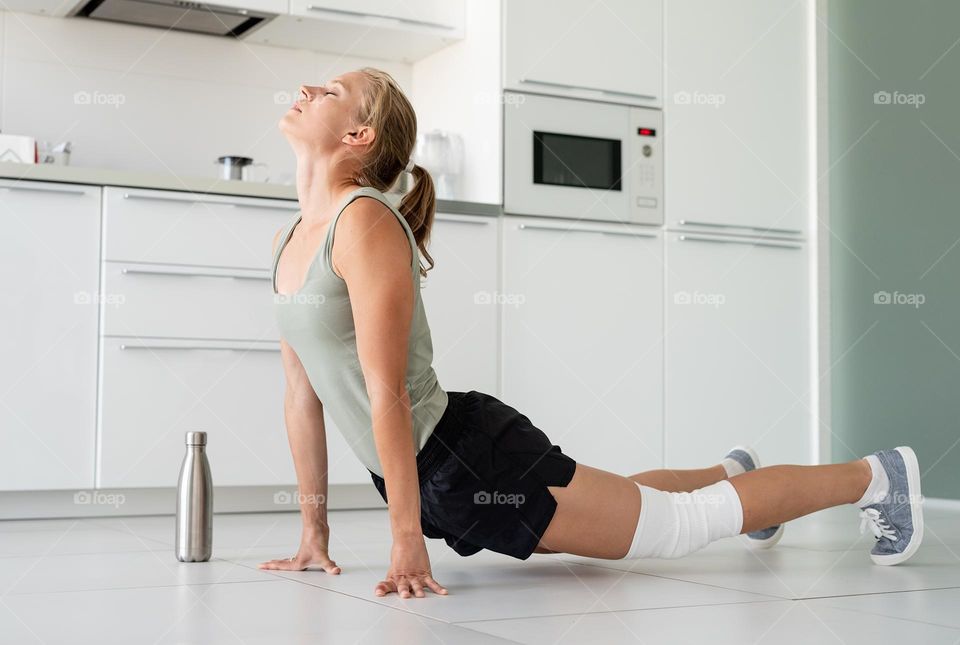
[(182, 99), (459, 89)]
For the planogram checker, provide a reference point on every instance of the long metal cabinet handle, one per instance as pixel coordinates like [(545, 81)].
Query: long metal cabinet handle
[(545, 227), (570, 86), (197, 200), (49, 189), (365, 14), (693, 238), (194, 345), (463, 219), (190, 273), (789, 231)]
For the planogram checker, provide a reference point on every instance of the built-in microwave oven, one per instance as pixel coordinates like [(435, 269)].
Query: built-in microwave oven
[(582, 159)]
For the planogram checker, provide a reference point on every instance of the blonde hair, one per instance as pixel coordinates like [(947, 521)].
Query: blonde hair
[(385, 108)]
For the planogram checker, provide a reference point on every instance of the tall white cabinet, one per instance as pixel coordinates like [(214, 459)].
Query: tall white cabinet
[(738, 349), (738, 201), (460, 298), (583, 337), (49, 252), (737, 115), (610, 51)]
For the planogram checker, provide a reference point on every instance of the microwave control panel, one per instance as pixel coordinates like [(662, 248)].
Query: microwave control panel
[(646, 175)]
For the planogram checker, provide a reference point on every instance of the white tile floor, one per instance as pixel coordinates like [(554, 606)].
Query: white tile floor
[(117, 581)]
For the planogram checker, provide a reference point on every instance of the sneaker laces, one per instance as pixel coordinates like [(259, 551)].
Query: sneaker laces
[(873, 518)]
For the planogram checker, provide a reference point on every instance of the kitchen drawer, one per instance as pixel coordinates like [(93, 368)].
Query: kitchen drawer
[(190, 228), (152, 391), (177, 301)]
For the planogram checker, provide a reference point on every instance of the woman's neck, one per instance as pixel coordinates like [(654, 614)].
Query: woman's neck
[(320, 188)]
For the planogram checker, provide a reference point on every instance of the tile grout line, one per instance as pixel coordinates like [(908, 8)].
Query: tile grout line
[(955, 628), (141, 587), (702, 584), (620, 611)]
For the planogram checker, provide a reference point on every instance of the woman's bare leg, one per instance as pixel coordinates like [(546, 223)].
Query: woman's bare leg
[(680, 481), (597, 511), (596, 515), (778, 494)]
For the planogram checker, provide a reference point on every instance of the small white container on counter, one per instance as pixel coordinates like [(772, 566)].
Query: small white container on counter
[(18, 148)]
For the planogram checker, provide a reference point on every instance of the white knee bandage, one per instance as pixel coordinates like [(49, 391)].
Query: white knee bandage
[(672, 525)]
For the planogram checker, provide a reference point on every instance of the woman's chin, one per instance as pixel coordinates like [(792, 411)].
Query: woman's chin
[(285, 125)]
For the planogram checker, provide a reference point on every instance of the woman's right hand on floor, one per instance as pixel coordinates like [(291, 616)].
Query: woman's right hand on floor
[(309, 553), (409, 573)]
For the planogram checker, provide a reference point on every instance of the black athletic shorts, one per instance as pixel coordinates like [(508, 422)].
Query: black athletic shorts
[(484, 473)]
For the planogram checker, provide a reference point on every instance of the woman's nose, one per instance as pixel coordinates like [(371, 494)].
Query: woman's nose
[(306, 92)]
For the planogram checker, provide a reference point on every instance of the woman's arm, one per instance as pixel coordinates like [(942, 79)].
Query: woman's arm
[(372, 254), (303, 414)]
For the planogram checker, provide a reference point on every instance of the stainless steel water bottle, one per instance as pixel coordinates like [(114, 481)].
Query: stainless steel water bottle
[(194, 541)]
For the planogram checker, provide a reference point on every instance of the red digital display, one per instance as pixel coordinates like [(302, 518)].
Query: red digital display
[(646, 132)]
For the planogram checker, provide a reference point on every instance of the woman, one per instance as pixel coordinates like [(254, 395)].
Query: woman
[(463, 465)]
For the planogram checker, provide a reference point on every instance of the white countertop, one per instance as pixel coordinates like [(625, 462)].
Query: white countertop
[(192, 184)]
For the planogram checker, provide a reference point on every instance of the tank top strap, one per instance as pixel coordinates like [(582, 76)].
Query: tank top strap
[(282, 242), (368, 191)]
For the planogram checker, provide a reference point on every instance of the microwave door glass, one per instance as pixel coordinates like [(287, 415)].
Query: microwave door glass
[(577, 161)]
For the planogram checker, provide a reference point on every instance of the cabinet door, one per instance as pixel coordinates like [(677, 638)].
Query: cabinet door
[(42, 7), (439, 14), (269, 6), (738, 350), (49, 251), (180, 301), (609, 50), (582, 337), (394, 30), (461, 299), (169, 227), (154, 390), (738, 117)]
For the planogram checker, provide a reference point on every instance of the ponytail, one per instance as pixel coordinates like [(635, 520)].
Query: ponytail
[(418, 207), (385, 108)]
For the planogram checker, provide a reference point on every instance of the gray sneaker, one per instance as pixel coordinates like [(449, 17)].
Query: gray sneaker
[(897, 520), (764, 538)]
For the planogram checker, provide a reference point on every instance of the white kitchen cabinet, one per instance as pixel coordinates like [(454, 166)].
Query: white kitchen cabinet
[(177, 301), (404, 30), (49, 252), (42, 7), (460, 298), (155, 390), (583, 337), (738, 349), (269, 6), (170, 227), (436, 14), (611, 50), (738, 119)]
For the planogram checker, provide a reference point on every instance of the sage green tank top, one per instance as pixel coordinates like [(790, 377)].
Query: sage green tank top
[(317, 322)]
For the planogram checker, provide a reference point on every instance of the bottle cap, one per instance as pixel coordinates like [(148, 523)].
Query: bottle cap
[(196, 438)]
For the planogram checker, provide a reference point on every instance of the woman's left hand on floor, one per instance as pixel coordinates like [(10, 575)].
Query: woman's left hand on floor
[(409, 571)]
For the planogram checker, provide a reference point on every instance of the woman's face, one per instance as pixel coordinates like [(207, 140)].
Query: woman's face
[(321, 119)]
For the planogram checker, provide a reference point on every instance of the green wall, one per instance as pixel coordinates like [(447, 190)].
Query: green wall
[(895, 220)]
